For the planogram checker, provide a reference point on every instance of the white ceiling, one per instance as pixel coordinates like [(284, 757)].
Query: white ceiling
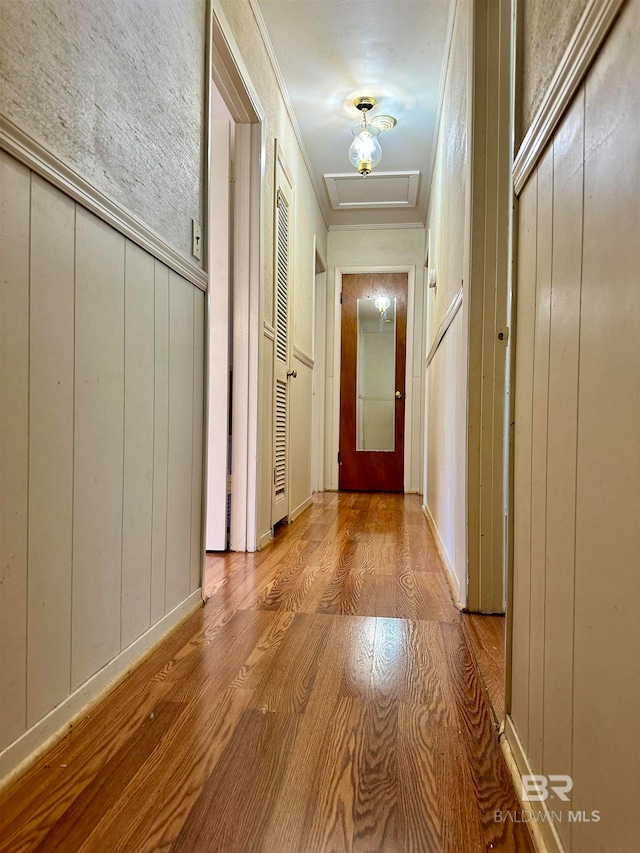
[(332, 51)]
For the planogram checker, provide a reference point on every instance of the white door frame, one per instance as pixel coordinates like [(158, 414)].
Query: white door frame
[(319, 351), (333, 409), (226, 67)]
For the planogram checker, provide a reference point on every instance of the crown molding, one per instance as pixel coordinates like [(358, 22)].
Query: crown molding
[(589, 36)]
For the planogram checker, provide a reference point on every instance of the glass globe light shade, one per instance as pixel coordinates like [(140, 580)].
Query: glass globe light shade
[(365, 151)]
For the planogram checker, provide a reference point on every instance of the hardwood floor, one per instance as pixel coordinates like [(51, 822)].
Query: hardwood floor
[(324, 700), (487, 641)]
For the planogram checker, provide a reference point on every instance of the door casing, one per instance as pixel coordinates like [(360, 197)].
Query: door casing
[(227, 68), (371, 470), (333, 398)]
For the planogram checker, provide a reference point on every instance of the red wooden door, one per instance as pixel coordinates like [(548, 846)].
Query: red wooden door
[(372, 382)]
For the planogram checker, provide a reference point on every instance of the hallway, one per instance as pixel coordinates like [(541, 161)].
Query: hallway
[(325, 699)]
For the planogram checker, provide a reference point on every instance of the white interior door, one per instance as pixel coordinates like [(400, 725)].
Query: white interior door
[(218, 295)]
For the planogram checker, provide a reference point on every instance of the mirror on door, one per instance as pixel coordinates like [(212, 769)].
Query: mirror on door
[(376, 374)]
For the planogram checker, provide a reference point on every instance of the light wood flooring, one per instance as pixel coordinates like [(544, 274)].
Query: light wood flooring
[(324, 700)]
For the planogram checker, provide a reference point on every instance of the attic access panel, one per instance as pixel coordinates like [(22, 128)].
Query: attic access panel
[(378, 190)]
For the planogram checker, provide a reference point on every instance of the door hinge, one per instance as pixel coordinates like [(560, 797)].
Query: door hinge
[(340, 297), (274, 476), (339, 458), (232, 171)]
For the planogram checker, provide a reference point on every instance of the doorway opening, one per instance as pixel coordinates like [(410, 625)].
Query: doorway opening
[(411, 399), (232, 331), (372, 382)]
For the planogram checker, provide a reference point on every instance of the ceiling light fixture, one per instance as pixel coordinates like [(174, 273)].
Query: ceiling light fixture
[(365, 151)]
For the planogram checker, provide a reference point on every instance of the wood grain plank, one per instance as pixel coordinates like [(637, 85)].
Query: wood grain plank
[(237, 800), (433, 774), (279, 731), (286, 830), (288, 683), (106, 789), (329, 817), (375, 810), (426, 680), (491, 781), (486, 637)]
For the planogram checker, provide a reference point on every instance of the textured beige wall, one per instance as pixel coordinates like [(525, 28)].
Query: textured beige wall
[(308, 223), (575, 694), (448, 221), (547, 27), (114, 88)]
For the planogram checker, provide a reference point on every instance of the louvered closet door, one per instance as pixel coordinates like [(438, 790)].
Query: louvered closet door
[(280, 502)]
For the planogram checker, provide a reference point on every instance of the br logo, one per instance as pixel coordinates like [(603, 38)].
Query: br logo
[(537, 788)]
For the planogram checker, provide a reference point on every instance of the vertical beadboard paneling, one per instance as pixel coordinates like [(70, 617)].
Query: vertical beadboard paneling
[(525, 307), (197, 455), (98, 468), (606, 746), (160, 442), (180, 441), (562, 443), (14, 443), (539, 453), (50, 447), (85, 355), (591, 529), (138, 443)]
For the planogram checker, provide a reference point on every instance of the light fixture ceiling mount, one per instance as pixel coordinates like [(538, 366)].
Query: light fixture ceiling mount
[(364, 104), (365, 151)]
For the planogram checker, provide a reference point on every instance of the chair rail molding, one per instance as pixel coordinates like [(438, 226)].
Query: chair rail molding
[(447, 320), (589, 36), (36, 157)]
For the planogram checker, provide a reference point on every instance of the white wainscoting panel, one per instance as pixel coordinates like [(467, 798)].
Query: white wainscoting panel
[(101, 392)]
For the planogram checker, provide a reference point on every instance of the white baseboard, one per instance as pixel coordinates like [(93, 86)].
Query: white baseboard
[(300, 509), (543, 832), (17, 757), (454, 583), (265, 539)]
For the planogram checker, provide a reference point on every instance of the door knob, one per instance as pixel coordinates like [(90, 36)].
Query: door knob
[(399, 395), (292, 373)]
